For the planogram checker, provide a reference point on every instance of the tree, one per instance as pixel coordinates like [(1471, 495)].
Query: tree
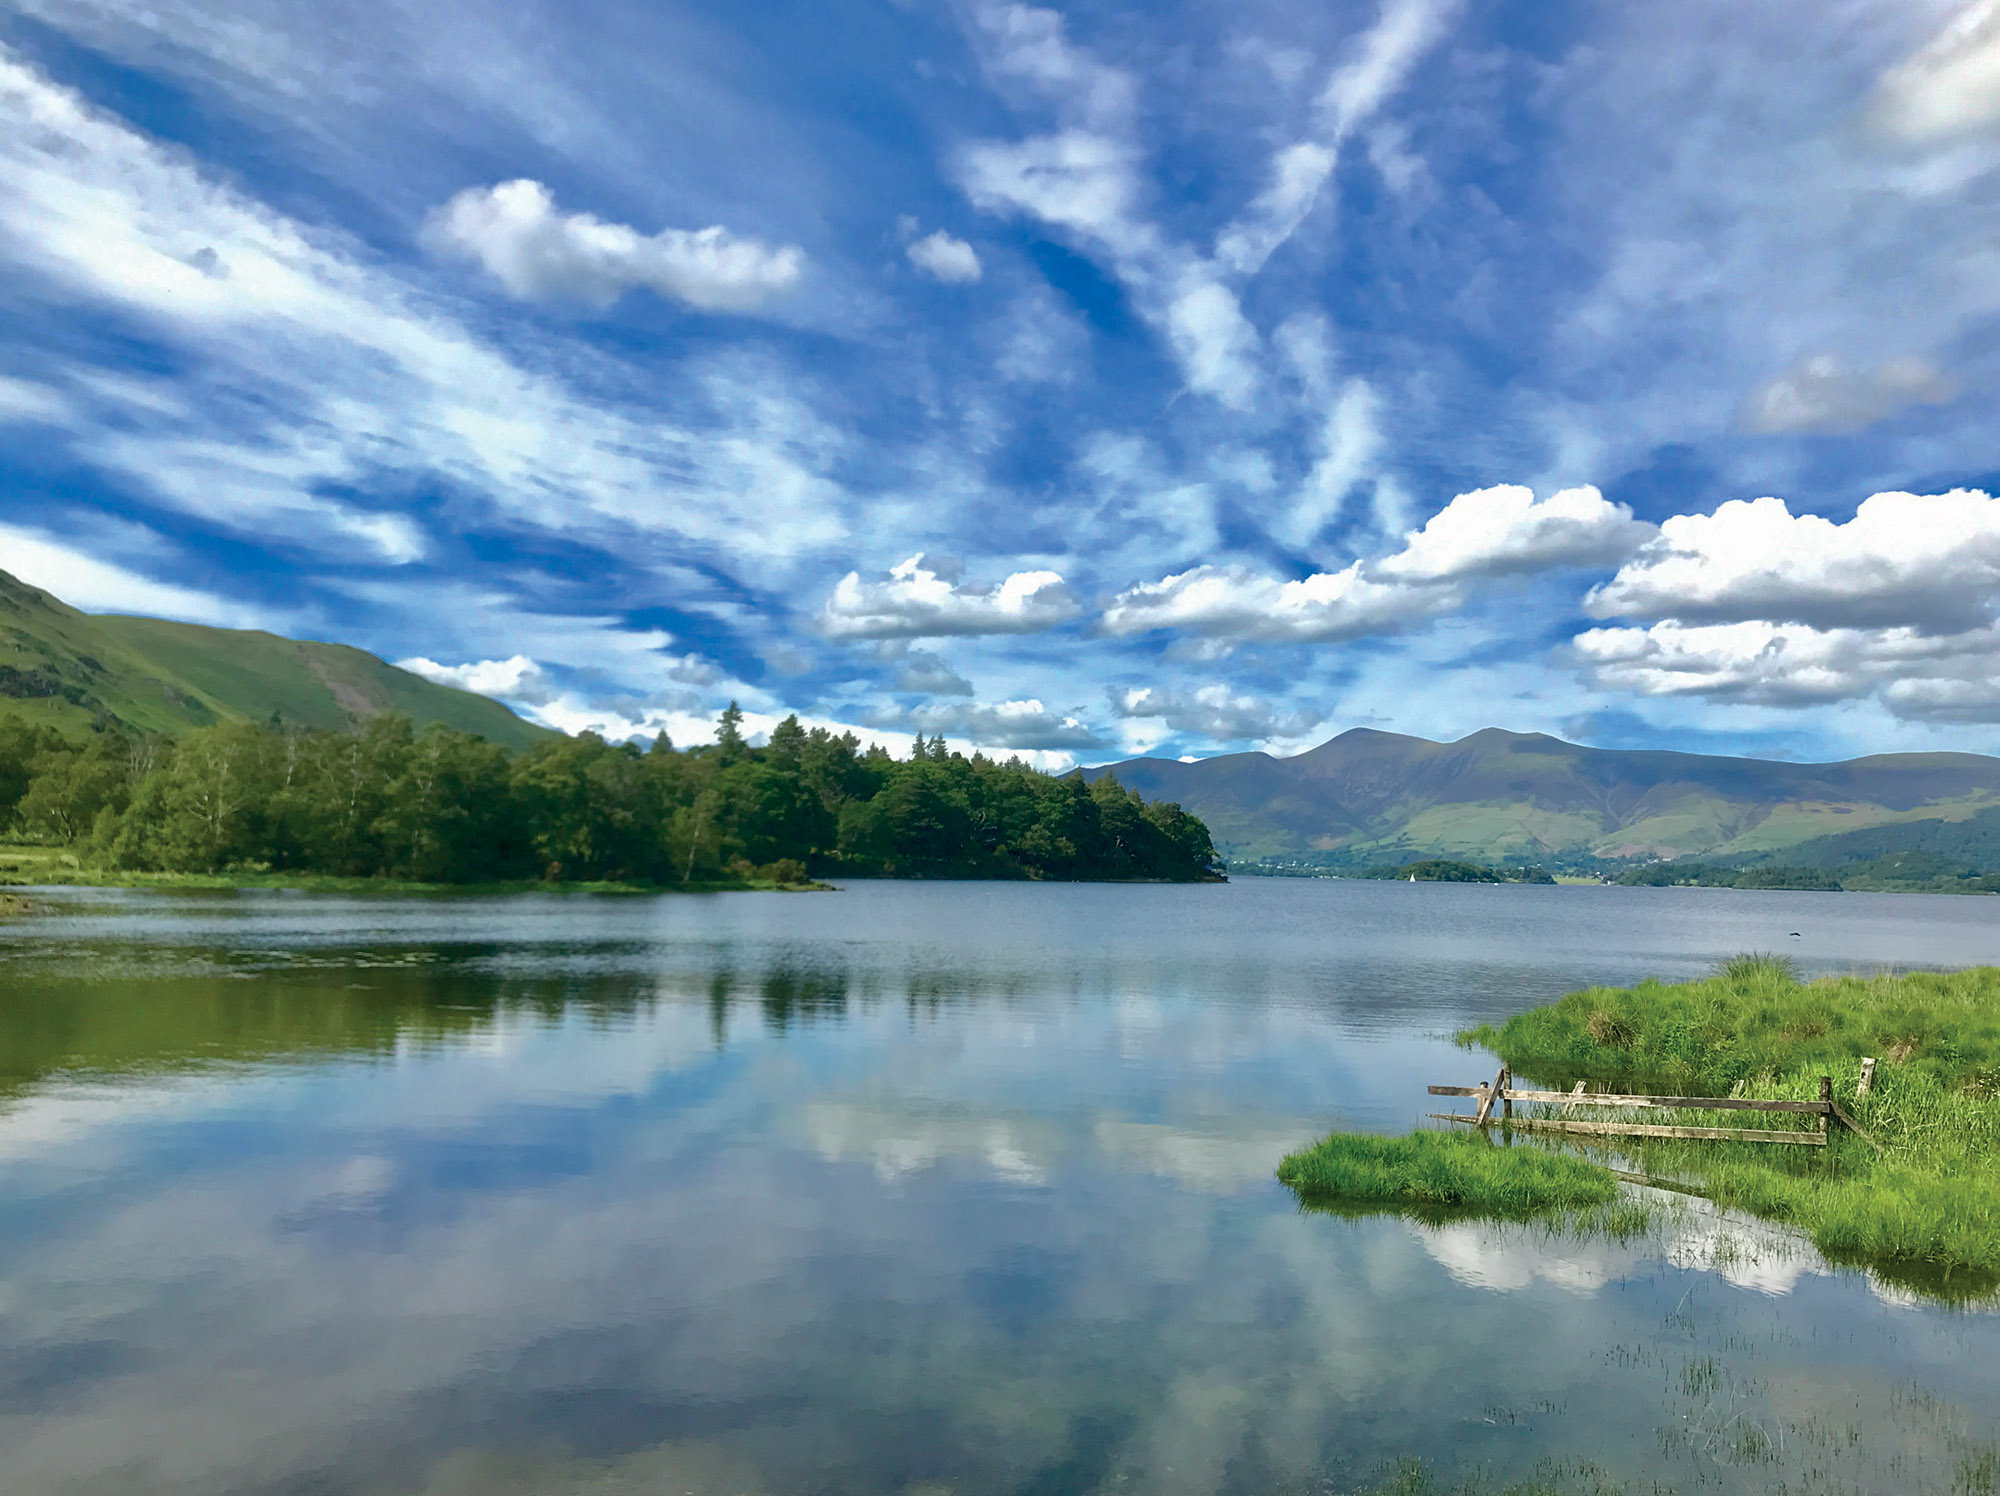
[(729, 745)]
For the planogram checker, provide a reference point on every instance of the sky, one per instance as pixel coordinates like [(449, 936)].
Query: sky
[(1082, 381)]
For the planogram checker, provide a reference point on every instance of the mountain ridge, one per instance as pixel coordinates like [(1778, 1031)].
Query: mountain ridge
[(76, 671), (1368, 795)]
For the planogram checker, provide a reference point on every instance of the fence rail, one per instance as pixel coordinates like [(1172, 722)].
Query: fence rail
[(1500, 1090)]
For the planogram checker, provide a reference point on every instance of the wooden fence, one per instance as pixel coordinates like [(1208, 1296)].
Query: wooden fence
[(1502, 1091)]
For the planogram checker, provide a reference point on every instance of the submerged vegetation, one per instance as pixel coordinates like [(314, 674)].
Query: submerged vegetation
[(389, 801)]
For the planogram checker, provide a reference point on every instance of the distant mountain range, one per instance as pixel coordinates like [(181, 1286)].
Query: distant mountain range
[(1370, 797), (74, 669)]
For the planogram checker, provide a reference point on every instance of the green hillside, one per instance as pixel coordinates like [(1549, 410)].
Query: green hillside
[(77, 670), (1370, 797)]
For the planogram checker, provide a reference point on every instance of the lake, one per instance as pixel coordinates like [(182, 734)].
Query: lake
[(909, 1188)]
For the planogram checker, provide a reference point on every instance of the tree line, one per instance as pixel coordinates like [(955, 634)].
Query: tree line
[(388, 799)]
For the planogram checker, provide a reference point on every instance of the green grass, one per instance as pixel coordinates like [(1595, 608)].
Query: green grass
[(1450, 1172), (1924, 1210)]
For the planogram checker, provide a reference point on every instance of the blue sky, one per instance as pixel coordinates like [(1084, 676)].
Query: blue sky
[(1080, 381)]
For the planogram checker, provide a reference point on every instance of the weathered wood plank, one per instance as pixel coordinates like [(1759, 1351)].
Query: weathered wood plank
[(1692, 1103), (1458, 1090), (1646, 1130), (1486, 1100), (1867, 1078)]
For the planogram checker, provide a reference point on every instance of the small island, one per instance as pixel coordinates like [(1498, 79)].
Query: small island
[(388, 804)]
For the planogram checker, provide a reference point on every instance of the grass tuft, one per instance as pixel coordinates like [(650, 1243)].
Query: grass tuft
[(1456, 1172)]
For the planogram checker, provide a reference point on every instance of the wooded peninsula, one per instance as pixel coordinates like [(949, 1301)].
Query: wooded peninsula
[(389, 800)]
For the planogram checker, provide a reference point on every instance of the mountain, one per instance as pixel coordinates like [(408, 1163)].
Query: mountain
[(1370, 796), (74, 669)]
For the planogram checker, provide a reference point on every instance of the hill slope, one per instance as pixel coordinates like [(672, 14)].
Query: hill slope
[(74, 669), (1370, 796)]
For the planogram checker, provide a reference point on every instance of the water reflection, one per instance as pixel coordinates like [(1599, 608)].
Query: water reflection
[(866, 1193)]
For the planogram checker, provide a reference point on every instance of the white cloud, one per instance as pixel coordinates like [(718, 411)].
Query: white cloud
[(923, 598), (1489, 532), (1930, 562), (1950, 86), (1380, 63), (1350, 446), (1822, 393), (1233, 602), (1213, 712), (23, 401), (1025, 724), (1075, 180), (513, 230), (1506, 529), (517, 678), (310, 372), (1031, 44), (1085, 178), (1916, 675), (96, 586), (944, 258), (1215, 342)]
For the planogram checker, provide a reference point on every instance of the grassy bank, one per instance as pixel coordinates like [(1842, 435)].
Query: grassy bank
[(1922, 1208)]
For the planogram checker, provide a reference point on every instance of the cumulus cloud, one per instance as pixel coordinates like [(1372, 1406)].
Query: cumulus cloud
[(1488, 532), (1212, 712), (1026, 724), (1929, 562), (1503, 529), (925, 598), (538, 254), (1234, 602), (516, 678), (944, 258), (1916, 675), (1950, 86), (1822, 393)]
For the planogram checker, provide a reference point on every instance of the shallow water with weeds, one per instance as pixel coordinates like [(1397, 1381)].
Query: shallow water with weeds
[(908, 1188)]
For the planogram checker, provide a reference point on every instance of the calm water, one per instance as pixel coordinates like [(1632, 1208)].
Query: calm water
[(911, 1188)]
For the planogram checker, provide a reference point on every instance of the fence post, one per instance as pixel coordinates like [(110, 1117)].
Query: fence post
[(1867, 1078), (1506, 1106), (1826, 1096)]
